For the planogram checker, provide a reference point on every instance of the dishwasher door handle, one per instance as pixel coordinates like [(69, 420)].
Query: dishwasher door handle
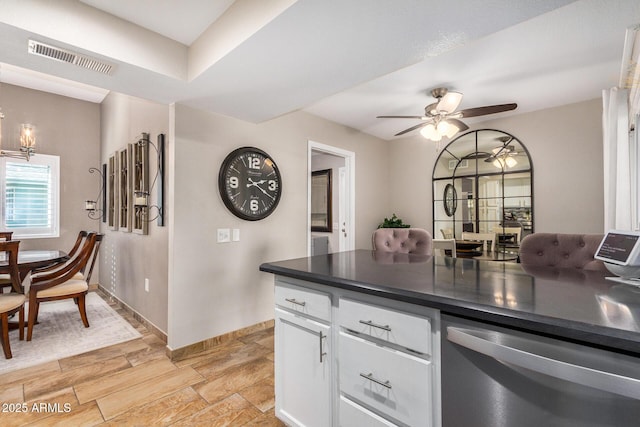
[(598, 379)]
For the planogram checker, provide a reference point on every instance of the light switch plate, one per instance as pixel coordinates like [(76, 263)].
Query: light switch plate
[(235, 235), (224, 235)]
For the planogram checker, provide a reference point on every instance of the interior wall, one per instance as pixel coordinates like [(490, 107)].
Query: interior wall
[(565, 145), (65, 127), (127, 259), (215, 288)]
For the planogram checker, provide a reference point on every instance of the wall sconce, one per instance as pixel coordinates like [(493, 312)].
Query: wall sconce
[(27, 139), (92, 206), (142, 187)]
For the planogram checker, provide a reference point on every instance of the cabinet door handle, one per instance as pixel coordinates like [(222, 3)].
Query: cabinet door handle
[(293, 301), (370, 323), (322, 352), (370, 377)]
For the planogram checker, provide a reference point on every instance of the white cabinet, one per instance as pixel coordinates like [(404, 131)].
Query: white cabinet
[(348, 359), (302, 370), (302, 356), (352, 414), (388, 364), (394, 383)]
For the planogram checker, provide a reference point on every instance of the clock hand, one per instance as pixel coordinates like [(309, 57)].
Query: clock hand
[(263, 190), (255, 183)]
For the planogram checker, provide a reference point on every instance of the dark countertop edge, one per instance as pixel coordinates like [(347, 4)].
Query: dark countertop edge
[(609, 338)]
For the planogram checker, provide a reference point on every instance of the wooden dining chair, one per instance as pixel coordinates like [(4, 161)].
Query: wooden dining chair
[(82, 234), (5, 279), (92, 262), (61, 284), (446, 247), (11, 303)]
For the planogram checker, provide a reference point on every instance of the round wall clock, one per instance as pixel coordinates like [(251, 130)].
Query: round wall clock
[(450, 200), (250, 183)]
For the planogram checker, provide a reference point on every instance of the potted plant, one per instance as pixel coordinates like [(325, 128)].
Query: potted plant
[(393, 222)]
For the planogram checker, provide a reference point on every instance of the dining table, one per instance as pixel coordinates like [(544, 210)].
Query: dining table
[(473, 249), (33, 259)]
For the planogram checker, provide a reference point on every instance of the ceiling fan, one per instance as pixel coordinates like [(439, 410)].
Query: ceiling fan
[(502, 156), (441, 118)]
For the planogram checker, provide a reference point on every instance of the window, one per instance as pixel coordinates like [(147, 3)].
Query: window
[(29, 196)]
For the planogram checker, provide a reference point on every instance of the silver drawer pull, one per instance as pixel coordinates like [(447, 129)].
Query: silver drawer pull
[(322, 352), (370, 377), (293, 301), (370, 323)]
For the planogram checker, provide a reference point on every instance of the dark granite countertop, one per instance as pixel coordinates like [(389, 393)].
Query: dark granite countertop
[(565, 303)]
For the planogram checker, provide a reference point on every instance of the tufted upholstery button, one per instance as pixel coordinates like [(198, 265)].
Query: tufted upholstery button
[(566, 256), (386, 243), (540, 253), (582, 244), (556, 243)]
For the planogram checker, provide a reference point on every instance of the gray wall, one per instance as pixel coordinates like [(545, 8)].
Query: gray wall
[(127, 258), (217, 288), (565, 144), (68, 128)]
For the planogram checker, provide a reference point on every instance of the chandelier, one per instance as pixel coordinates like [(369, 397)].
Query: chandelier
[(27, 142)]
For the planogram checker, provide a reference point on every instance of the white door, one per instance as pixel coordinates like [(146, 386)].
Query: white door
[(345, 199), (343, 214), (302, 370)]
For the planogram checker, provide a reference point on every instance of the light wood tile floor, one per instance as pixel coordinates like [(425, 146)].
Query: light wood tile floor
[(135, 384)]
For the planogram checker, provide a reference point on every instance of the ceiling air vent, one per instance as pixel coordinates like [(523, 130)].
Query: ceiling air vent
[(41, 49)]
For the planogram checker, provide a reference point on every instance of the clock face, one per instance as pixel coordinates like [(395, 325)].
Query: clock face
[(249, 183), (450, 200)]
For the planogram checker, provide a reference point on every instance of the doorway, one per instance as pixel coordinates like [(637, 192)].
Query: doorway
[(341, 234)]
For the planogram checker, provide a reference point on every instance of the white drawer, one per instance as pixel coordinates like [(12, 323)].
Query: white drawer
[(303, 300), (354, 415), (402, 329), (394, 383)]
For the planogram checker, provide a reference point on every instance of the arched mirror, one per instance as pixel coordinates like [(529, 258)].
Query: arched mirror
[(483, 183)]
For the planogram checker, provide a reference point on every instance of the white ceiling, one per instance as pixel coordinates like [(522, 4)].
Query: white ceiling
[(347, 61)]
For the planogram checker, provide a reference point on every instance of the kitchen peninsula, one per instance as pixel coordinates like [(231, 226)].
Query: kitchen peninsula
[(384, 331)]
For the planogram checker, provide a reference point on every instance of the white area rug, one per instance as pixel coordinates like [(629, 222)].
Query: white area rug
[(60, 333)]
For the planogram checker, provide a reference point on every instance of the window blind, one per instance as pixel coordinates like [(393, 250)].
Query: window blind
[(28, 197)]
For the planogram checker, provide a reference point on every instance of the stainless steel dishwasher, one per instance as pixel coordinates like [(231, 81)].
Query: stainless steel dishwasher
[(493, 376)]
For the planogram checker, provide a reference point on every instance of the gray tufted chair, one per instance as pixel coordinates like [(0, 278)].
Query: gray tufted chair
[(561, 250), (402, 240)]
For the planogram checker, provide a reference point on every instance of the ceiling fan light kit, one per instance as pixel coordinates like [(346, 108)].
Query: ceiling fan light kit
[(441, 118), (449, 102)]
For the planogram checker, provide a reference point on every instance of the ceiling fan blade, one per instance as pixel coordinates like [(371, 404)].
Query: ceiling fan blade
[(418, 126), (490, 109), (400, 117), (458, 124), (449, 102)]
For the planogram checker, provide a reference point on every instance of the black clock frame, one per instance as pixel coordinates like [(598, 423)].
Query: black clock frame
[(222, 184), (450, 203)]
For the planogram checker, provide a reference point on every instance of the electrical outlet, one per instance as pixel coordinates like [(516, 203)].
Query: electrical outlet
[(146, 284), (224, 235)]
